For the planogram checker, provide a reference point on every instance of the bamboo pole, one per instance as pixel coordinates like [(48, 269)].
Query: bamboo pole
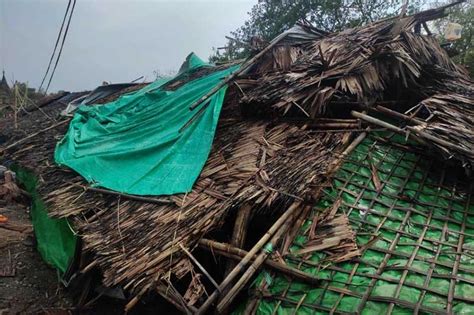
[(227, 299), (244, 67), (439, 141), (393, 113), (235, 253), (243, 263), (418, 136), (336, 125), (378, 122), (15, 106), (384, 124), (232, 76), (239, 233), (201, 267), (333, 166)]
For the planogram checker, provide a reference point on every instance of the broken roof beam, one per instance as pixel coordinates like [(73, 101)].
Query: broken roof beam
[(234, 253), (248, 258), (228, 298), (419, 136), (239, 234)]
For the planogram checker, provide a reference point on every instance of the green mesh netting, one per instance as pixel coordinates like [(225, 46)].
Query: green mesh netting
[(423, 221)]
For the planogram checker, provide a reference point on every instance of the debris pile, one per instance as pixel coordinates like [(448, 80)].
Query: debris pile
[(8, 187), (254, 163), (291, 115)]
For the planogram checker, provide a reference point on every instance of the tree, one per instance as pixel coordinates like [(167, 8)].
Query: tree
[(268, 18)]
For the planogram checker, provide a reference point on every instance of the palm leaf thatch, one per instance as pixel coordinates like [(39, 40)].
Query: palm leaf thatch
[(388, 62), (266, 152)]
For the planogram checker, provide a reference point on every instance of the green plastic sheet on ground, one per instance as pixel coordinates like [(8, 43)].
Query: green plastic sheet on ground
[(56, 241), (134, 144), (419, 209)]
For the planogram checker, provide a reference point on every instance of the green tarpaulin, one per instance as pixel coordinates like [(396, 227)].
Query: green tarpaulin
[(134, 144), (56, 241)]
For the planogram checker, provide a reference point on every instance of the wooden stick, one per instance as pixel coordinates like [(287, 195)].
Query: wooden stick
[(427, 29), (396, 114), (33, 135), (439, 141), (239, 233), (127, 196), (244, 67), (243, 263), (224, 303), (235, 253), (419, 134), (199, 266)]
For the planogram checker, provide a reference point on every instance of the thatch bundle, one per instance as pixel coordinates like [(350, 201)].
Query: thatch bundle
[(137, 243), (133, 242), (388, 62)]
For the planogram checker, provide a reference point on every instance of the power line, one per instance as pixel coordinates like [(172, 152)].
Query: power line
[(55, 45), (62, 44)]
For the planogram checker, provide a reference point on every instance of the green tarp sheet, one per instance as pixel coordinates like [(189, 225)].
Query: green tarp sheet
[(134, 144), (56, 241)]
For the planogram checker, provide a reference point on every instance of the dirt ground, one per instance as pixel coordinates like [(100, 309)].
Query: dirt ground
[(27, 284)]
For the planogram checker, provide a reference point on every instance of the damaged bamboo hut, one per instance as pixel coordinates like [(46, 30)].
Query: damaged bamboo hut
[(328, 148)]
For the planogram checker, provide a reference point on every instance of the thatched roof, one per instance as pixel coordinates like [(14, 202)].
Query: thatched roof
[(272, 149), (388, 63), (251, 162), (267, 164)]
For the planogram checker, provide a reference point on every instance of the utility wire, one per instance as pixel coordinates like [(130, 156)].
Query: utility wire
[(62, 45), (55, 45)]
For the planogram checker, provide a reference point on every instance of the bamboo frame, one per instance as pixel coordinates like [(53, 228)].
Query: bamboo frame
[(243, 263), (239, 233), (227, 299), (235, 253), (441, 209)]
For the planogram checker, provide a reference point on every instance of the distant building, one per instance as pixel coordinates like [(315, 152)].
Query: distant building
[(5, 92)]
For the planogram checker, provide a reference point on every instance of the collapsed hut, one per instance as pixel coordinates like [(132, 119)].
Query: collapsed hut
[(329, 149)]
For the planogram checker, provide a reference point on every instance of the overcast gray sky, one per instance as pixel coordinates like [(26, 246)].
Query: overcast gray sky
[(112, 40)]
